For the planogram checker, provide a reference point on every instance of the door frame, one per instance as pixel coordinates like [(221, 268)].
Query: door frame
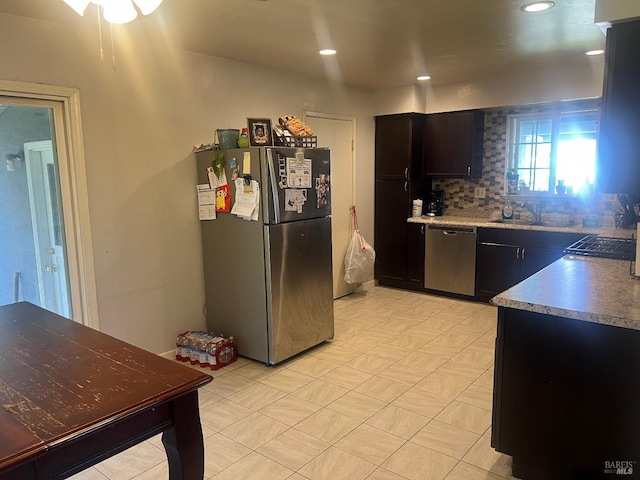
[(65, 105), (348, 120)]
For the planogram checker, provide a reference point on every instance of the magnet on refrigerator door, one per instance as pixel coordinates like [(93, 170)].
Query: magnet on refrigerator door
[(233, 166), (223, 199), (323, 183)]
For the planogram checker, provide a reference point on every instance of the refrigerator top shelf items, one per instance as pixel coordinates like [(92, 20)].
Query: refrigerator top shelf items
[(299, 142)]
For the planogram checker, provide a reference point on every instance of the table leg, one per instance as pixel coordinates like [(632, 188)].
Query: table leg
[(183, 443)]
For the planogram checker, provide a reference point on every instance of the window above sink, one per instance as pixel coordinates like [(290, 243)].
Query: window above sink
[(552, 153)]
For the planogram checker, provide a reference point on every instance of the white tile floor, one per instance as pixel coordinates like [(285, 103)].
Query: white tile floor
[(402, 392)]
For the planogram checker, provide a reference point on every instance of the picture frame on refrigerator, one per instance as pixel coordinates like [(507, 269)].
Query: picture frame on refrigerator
[(259, 132)]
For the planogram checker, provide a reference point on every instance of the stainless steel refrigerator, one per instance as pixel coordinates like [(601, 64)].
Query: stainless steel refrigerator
[(269, 283)]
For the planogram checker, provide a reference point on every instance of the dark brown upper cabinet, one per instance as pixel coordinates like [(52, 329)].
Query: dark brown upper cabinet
[(399, 146), (453, 144), (619, 138)]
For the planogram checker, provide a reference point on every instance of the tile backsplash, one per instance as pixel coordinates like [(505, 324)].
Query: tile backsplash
[(459, 194)]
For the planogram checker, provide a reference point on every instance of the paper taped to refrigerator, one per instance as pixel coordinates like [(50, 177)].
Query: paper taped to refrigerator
[(247, 200), (294, 199), (206, 202), (298, 173)]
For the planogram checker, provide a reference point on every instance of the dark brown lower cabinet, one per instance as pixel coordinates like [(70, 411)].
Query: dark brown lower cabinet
[(390, 234), (497, 268), (506, 257), (565, 401)]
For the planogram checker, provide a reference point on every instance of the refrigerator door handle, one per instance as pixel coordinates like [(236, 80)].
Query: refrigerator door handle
[(274, 187)]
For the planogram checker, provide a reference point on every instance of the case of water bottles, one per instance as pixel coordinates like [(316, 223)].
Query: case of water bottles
[(206, 349)]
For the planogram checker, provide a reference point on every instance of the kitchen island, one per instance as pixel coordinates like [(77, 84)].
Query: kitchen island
[(567, 379)]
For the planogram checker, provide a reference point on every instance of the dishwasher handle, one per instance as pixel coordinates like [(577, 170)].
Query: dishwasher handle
[(453, 230)]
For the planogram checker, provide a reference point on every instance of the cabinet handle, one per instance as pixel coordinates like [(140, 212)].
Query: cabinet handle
[(522, 256), (518, 252), (406, 173), (422, 229), (468, 171), (405, 186)]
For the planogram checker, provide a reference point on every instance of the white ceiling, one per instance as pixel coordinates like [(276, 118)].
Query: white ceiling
[(380, 43)]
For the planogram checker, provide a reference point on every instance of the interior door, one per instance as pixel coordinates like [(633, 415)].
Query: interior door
[(48, 230), (337, 133)]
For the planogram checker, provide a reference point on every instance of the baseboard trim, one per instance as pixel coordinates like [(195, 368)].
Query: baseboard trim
[(171, 354)]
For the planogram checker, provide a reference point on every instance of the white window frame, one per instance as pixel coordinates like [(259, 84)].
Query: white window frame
[(555, 118), (65, 104)]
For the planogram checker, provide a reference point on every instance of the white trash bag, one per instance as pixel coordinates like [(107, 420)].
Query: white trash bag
[(360, 257)]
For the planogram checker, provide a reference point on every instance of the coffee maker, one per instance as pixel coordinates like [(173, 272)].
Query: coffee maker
[(435, 203)]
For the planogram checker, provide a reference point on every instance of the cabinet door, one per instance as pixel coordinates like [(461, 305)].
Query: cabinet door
[(497, 268), (535, 259), (399, 146), (618, 140), (453, 144), (415, 248), (392, 205)]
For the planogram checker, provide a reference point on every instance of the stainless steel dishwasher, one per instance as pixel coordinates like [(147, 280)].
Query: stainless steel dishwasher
[(450, 259)]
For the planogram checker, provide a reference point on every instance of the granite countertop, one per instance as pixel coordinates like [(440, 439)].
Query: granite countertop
[(591, 289), (452, 220)]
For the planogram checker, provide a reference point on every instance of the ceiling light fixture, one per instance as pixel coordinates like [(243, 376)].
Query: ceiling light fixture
[(595, 52), (423, 77), (537, 6), (116, 11), (327, 51)]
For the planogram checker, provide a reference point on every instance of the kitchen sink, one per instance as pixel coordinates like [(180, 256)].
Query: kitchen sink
[(510, 221)]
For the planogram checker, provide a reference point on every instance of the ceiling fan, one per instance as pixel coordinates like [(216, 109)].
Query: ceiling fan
[(116, 11)]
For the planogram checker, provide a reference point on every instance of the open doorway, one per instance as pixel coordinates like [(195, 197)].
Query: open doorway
[(32, 256), (46, 253)]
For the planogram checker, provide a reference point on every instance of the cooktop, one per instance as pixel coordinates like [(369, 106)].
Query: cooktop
[(604, 247)]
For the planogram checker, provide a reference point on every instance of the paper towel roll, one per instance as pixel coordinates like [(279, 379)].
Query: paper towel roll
[(416, 212)]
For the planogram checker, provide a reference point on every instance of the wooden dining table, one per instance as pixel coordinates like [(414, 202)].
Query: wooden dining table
[(71, 396)]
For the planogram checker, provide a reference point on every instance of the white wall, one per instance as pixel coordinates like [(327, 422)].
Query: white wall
[(410, 98), (612, 11), (140, 123), (535, 87)]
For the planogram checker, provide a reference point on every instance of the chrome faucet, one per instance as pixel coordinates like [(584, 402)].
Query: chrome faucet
[(533, 209)]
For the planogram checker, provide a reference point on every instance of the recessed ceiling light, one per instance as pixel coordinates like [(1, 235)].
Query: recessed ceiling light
[(537, 6), (327, 51), (595, 52), (423, 77)]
